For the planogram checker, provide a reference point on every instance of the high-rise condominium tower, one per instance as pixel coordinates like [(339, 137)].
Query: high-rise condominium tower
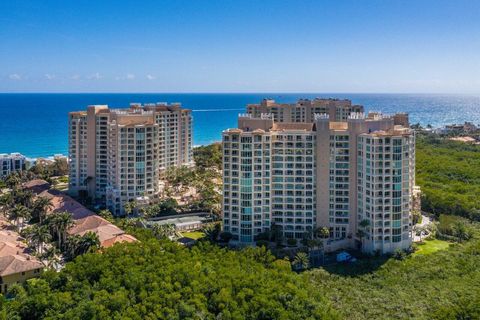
[(304, 110), (117, 155), (354, 176)]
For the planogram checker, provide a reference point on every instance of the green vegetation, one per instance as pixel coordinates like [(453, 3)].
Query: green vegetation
[(449, 175), (195, 235), (431, 246), (209, 156), (45, 235), (162, 280), (158, 279), (189, 189), (426, 285)]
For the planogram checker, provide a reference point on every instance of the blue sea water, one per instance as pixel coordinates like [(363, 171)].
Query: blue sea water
[(36, 124)]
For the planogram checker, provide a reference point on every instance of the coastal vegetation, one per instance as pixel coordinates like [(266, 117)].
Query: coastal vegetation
[(189, 188), (46, 235), (162, 280), (157, 278), (449, 174)]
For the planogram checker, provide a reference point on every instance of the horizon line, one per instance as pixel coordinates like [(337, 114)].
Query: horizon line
[(237, 92)]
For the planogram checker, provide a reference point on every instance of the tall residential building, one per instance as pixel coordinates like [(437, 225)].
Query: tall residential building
[(11, 163), (304, 110), (301, 176), (117, 155)]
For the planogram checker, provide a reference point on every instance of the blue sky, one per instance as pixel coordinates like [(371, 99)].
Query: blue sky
[(240, 46)]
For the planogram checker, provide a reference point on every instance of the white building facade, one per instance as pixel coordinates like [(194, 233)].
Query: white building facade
[(117, 155), (13, 162), (355, 177)]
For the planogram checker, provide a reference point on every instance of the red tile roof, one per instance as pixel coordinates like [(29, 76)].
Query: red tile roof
[(85, 219)]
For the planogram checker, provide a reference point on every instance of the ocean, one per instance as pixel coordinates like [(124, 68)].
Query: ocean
[(36, 124)]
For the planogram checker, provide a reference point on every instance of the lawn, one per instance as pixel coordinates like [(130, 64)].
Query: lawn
[(193, 235), (431, 246)]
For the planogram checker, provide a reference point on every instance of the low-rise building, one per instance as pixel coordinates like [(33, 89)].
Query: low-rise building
[(85, 219), (16, 263), (186, 222), (12, 162)]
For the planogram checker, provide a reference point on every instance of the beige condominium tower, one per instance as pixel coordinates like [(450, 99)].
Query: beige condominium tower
[(117, 155), (354, 174), (304, 110)]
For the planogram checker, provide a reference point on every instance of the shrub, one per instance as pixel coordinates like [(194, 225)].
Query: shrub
[(399, 254), (292, 242), (262, 243), (225, 236)]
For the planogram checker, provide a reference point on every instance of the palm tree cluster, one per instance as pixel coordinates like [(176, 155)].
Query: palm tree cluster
[(77, 245), (30, 216), (165, 231)]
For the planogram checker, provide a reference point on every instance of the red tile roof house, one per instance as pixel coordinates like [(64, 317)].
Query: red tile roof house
[(16, 265), (85, 220)]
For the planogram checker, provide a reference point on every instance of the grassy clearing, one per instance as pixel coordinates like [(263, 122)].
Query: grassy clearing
[(195, 235), (431, 246)]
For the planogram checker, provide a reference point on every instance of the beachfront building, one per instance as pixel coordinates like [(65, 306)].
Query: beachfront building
[(304, 110), (269, 171), (12, 162), (117, 155), (355, 177)]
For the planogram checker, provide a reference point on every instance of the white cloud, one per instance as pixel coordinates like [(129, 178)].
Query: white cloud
[(14, 76), (128, 76), (75, 77), (94, 76), (150, 77), (49, 76)]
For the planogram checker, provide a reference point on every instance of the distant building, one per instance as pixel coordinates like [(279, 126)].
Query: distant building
[(12, 162), (467, 127), (117, 155), (307, 174), (304, 109)]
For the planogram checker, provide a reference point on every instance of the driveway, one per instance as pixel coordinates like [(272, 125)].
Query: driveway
[(426, 220)]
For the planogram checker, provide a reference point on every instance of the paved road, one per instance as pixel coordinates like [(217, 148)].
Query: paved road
[(425, 221)]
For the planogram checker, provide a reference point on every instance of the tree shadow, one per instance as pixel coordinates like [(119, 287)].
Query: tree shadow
[(363, 265)]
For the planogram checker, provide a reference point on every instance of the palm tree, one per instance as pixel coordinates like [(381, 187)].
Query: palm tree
[(19, 213), (212, 231), (322, 232), (38, 236), (24, 197), (130, 206), (165, 231), (6, 202), (13, 181), (106, 214), (301, 260), (40, 208), (60, 223), (89, 242), (77, 245), (363, 225), (50, 255), (72, 244)]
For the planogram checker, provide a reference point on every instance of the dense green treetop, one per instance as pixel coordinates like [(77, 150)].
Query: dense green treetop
[(449, 175), (162, 280)]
